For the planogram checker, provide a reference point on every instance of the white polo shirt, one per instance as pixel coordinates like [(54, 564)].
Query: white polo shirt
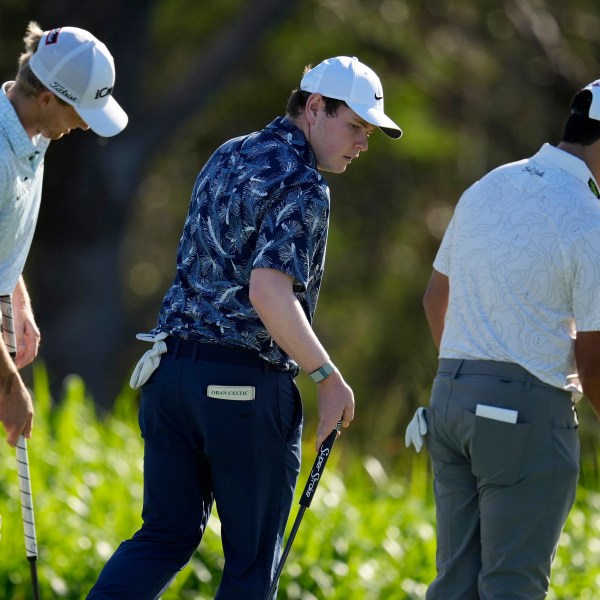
[(21, 174), (522, 254)]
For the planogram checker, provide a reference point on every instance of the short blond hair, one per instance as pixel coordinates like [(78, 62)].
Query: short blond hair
[(27, 82)]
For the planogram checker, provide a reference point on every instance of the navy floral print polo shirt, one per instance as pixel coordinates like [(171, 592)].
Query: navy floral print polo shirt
[(259, 202)]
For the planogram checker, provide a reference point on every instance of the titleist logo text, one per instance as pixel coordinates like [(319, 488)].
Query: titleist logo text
[(63, 91)]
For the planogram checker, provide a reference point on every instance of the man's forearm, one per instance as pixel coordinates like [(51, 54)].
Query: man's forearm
[(20, 296), (281, 313), (590, 383), (435, 303), (587, 358)]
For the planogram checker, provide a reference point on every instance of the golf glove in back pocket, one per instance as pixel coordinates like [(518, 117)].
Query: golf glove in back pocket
[(150, 360)]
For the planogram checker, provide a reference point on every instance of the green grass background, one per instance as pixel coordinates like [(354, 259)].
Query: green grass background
[(368, 534)]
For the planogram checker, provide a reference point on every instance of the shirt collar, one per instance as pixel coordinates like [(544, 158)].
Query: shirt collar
[(284, 129), (21, 143), (568, 162)]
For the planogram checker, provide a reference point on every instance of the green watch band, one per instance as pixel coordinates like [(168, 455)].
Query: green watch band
[(322, 372)]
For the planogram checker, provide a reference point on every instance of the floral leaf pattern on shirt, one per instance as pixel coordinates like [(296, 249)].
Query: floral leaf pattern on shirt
[(259, 202)]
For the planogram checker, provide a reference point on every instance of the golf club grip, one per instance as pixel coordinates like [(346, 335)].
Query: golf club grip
[(8, 333), (317, 469), (26, 499), (8, 329)]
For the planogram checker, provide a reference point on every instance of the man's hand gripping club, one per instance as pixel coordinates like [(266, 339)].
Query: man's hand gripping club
[(335, 401)]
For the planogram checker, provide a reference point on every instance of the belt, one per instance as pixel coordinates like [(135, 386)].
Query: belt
[(203, 351), (493, 368)]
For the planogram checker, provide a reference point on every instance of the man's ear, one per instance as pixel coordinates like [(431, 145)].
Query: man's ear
[(46, 98), (313, 104)]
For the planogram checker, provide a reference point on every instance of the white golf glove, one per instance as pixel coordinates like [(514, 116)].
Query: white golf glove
[(416, 430), (150, 360)]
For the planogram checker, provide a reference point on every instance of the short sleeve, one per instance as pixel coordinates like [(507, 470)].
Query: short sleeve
[(293, 232), (442, 259)]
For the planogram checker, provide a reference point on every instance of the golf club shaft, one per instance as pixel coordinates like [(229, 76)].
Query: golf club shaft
[(8, 332), (305, 500), (285, 552)]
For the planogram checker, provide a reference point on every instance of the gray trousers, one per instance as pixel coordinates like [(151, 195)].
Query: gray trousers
[(503, 491)]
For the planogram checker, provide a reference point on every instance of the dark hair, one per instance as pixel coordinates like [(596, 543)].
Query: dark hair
[(579, 128), (297, 102)]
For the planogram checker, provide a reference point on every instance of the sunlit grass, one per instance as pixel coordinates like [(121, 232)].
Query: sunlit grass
[(368, 535)]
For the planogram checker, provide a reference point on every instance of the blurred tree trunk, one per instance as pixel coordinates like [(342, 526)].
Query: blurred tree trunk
[(90, 184)]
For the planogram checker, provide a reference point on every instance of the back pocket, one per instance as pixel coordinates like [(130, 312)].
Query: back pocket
[(498, 450)]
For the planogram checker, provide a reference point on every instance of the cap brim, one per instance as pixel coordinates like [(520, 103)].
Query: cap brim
[(106, 121), (377, 117)]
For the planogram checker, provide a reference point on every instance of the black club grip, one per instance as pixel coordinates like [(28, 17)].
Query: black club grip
[(318, 467)]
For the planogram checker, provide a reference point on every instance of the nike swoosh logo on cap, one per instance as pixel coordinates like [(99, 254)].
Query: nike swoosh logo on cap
[(378, 97)]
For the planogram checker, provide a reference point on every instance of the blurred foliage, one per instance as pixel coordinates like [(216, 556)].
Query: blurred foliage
[(473, 84), (368, 535)]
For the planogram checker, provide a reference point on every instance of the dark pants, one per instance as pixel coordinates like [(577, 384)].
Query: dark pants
[(243, 454), (503, 491)]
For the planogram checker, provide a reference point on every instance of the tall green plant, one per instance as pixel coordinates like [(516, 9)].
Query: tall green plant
[(367, 536)]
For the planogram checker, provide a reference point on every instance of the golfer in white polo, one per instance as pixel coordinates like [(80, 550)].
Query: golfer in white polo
[(65, 81), (514, 308)]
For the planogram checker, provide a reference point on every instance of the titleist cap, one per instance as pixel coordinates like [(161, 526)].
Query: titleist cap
[(78, 68), (347, 79)]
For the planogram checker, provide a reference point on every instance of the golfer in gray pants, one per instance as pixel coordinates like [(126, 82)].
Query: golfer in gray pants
[(503, 490), (513, 305)]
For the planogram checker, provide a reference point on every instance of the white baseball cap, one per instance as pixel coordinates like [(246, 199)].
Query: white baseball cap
[(586, 106), (78, 68), (347, 79)]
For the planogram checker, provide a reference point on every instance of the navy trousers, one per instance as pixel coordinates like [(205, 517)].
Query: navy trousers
[(242, 454)]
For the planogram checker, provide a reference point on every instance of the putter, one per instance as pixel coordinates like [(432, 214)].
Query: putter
[(305, 500), (8, 333)]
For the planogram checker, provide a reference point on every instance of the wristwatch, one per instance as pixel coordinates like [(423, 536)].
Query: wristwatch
[(322, 372)]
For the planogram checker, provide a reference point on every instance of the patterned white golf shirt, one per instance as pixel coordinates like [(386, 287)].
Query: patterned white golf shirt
[(21, 174), (522, 253)]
